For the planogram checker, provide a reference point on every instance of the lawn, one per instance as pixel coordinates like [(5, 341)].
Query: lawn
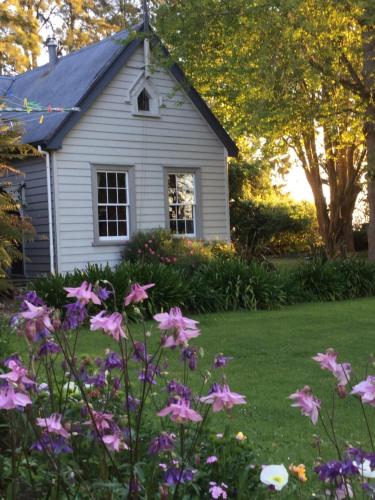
[(272, 358)]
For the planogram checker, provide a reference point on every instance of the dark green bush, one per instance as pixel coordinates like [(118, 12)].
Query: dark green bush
[(232, 284), (272, 225), (160, 246), (5, 333), (321, 280), (222, 284), (170, 289)]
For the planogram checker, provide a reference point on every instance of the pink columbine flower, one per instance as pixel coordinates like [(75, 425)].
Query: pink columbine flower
[(17, 375), (83, 294), (222, 397), (366, 390), (9, 399), (114, 442), (211, 460), (112, 324), (180, 337), (180, 412), (103, 421), (308, 404), (328, 361), (218, 491), (35, 314), (174, 320), (342, 373), (53, 425), (138, 293)]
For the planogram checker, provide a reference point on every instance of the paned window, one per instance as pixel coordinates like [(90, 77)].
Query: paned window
[(113, 205), (182, 204)]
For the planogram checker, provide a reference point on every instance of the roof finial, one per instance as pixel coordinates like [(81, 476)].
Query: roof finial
[(146, 15)]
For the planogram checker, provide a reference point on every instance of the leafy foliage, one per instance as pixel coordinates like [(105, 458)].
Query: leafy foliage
[(13, 228), (272, 225), (323, 280), (170, 290), (287, 77), (160, 245), (223, 284)]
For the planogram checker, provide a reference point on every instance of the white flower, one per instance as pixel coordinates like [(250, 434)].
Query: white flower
[(365, 469), (274, 475), (71, 388)]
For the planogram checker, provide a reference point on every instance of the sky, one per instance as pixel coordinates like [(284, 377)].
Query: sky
[(297, 186)]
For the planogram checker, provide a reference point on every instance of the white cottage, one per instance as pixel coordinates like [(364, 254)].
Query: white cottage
[(144, 151)]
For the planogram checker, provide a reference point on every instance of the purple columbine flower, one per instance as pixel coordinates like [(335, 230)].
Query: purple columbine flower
[(221, 361), (12, 357), (149, 375), (14, 320), (370, 489), (212, 459), (56, 445), (32, 297), (160, 444), (97, 380), (135, 486), (174, 388), (104, 293), (139, 353), (99, 362), (112, 361), (334, 470), (174, 475), (75, 315), (116, 384), (191, 355), (49, 347), (133, 403)]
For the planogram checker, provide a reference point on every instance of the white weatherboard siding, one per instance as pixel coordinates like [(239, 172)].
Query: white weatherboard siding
[(109, 134)]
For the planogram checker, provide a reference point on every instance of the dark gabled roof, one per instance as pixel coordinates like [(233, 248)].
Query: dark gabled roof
[(76, 80)]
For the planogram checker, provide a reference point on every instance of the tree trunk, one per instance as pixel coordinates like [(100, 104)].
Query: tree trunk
[(349, 238), (368, 43), (370, 141)]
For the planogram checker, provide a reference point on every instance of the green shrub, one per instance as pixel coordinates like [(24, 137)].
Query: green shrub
[(171, 288), (159, 245), (358, 277), (5, 333), (222, 283), (234, 284), (321, 280), (273, 225)]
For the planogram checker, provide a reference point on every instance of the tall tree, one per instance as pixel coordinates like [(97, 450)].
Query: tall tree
[(252, 59), (13, 228), (20, 39), (77, 23)]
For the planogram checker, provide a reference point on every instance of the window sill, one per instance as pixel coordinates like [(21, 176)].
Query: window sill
[(146, 114), (109, 243)]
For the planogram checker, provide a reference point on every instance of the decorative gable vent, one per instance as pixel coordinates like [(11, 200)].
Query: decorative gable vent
[(143, 101), (144, 98)]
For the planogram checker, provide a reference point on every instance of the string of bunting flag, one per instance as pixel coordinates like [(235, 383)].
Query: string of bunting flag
[(13, 104)]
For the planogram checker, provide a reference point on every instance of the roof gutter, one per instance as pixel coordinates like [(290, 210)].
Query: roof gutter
[(46, 154)]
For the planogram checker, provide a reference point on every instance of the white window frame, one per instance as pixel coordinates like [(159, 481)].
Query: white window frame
[(193, 205), (129, 205)]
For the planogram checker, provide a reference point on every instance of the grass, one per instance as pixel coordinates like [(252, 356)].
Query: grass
[(272, 358)]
